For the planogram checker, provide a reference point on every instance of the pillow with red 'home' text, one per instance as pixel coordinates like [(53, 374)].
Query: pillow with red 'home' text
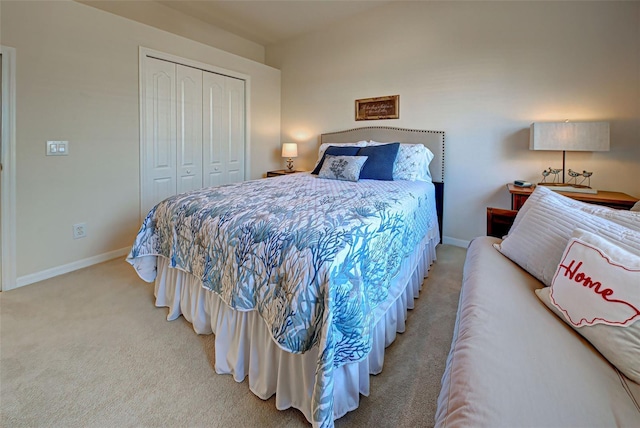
[(596, 290)]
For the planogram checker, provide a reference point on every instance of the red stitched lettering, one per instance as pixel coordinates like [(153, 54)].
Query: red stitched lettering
[(581, 278)]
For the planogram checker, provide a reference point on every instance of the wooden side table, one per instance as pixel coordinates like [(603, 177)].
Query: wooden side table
[(279, 173), (499, 221), (607, 198)]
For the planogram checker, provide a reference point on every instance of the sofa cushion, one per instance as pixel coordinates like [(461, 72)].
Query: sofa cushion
[(512, 363)]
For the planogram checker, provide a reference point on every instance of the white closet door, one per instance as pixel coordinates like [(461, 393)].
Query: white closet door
[(223, 128), (189, 156), (160, 132), (235, 159), (193, 130)]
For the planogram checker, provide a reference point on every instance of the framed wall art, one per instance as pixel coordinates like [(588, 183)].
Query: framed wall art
[(378, 108)]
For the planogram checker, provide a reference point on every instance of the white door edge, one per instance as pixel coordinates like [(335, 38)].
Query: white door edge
[(8, 157)]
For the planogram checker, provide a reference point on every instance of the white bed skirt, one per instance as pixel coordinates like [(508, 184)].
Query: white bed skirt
[(244, 346)]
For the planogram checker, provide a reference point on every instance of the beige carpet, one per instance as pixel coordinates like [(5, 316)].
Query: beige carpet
[(89, 349)]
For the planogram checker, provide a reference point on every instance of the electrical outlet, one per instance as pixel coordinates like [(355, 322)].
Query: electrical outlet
[(79, 230)]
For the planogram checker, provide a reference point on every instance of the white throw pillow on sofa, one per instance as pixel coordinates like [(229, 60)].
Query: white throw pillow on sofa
[(596, 290), (630, 219), (536, 242)]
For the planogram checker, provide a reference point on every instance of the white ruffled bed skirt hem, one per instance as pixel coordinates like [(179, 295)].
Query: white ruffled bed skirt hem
[(244, 346)]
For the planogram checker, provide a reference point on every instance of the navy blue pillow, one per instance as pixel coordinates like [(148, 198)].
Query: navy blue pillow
[(336, 151), (379, 166)]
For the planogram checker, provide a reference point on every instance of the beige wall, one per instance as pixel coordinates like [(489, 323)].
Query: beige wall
[(162, 17), (77, 80), (481, 72)]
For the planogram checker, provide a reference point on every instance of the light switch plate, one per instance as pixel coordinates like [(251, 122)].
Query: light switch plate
[(57, 148)]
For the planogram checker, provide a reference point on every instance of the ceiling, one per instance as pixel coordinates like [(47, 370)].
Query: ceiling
[(271, 21)]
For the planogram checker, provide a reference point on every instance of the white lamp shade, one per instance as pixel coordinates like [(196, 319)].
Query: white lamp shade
[(570, 136), (289, 150)]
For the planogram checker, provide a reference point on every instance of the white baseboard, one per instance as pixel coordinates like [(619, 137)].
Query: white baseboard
[(455, 242), (70, 267)]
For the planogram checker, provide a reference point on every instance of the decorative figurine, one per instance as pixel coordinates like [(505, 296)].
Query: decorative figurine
[(554, 172), (574, 176), (545, 174), (586, 176)]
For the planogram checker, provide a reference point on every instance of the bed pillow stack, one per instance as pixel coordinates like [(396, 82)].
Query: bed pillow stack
[(379, 164), (589, 257), (387, 161)]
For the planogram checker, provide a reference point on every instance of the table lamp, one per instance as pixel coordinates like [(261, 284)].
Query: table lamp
[(289, 150), (569, 136)]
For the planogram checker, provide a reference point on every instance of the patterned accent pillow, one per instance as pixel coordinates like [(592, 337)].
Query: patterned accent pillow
[(336, 151), (346, 168), (596, 292)]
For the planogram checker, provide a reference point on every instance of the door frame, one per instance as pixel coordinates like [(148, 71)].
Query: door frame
[(8, 159), (147, 52)]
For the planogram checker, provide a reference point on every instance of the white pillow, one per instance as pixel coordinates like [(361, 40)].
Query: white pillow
[(412, 162), (323, 147), (537, 241), (345, 168), (596, 290)]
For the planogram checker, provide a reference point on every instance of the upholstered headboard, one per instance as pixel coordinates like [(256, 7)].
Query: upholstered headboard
[(434, 140)]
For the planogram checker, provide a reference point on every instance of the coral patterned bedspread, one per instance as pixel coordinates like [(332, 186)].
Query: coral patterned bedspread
[(313, 256)]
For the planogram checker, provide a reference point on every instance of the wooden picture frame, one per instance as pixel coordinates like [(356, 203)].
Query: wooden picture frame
[(378, 108)]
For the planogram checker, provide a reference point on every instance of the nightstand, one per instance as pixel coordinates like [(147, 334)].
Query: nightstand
[(279, 173), (617, 200), (499, 221)]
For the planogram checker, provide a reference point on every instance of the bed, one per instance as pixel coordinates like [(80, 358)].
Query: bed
[(303, 281)]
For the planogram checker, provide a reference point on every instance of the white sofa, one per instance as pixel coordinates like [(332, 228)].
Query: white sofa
[(514, 363)]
